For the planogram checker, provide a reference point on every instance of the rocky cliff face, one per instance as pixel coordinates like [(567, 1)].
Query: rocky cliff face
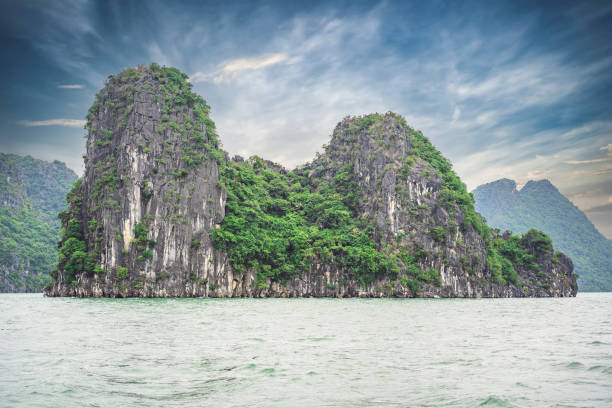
[(161, 211), (140, 220)]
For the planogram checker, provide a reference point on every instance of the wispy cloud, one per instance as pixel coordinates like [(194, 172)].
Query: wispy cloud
[(156, 54), (229, 70), (456, 114), (71, 86), (601, 208), (601, 160), (53, 122), (608, 158)]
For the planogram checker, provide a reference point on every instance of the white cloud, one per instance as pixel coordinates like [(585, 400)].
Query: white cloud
[(517, 161), (538, 174), (229, 70), (600, 160), (286, 117), (156, 54), (72, 86), (603, 171), (608, 158), (456, 114), (527, 82), (487, 119), (53, 122)]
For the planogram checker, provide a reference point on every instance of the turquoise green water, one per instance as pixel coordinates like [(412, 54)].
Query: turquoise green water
[(305, 352)]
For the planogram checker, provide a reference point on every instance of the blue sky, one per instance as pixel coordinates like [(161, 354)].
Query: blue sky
[(504, 89)]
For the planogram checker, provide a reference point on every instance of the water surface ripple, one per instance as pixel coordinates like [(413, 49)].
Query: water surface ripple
[(306, 352)]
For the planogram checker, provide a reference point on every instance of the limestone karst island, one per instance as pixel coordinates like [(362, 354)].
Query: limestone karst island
[(162, 211)]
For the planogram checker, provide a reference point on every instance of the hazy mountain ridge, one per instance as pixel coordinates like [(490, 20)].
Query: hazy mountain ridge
[(540, 205), (32, 193)]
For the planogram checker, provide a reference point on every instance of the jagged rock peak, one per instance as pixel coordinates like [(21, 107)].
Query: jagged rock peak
[(149, 197), (379, 142), (506, 185), (358, 132), (502, 184), (542, 185)]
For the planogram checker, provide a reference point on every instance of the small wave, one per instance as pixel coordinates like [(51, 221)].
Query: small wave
[(316, 338), (575, 364), (493, 401), (460, 362)]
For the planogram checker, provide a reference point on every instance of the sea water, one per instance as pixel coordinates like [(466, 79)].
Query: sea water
[(65, 352)]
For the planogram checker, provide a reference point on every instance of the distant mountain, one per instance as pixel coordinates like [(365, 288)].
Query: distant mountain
[(32, 193), (540, 205)]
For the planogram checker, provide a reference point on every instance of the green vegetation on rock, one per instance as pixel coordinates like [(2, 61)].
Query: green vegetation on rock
[(32, 192), (278, 226)]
